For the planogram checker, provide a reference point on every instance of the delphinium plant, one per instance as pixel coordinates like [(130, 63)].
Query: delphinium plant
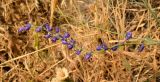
[(70, 43)]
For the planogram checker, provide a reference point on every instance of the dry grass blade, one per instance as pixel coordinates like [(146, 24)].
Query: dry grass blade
[(11, 60)]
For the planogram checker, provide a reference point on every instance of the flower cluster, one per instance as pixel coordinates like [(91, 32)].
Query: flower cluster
[(115, 47), (67, 40), (24, 28)]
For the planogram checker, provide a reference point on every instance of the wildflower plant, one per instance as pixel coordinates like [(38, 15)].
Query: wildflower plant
[(97, 40), (70, 43)]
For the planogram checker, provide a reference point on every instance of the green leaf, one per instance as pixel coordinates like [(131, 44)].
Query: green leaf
[(150, 41), (126, 64), (36, 41)]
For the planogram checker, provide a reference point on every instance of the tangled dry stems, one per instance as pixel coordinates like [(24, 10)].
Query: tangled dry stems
[(87, 21)]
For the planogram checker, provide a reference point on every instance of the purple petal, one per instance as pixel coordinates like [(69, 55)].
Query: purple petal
[(48, 28), (21, 29), (38, 29), (128, 35), (47, 36), (54, 39), (66, 35), (88, 55), (64, 42), (70, 46), (141, 48), (78, 52), (99, 47), (28, 26), (57, 29)]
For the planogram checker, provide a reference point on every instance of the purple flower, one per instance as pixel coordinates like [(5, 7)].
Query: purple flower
[(128, 35), (47, 36), (66, 35), (64, 41), (88, 55), (21, 29), (38, 29), (46, 25), (114, 48), (141, 47), (78, 52), (27, 26), (70, 46), (99, 47), (57, 29), (54, 39), (48, 28), (104, 46)]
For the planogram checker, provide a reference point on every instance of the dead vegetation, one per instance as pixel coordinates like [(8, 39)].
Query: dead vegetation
[(28, 57)]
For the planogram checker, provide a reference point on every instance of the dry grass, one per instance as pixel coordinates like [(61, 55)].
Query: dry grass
[(28, 57)]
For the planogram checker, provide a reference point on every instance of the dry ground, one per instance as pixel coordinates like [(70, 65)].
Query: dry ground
[(29, 57)]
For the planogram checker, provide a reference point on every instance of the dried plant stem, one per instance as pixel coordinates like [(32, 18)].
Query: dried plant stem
[(53, 6), (28, 54), (52, 66)]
